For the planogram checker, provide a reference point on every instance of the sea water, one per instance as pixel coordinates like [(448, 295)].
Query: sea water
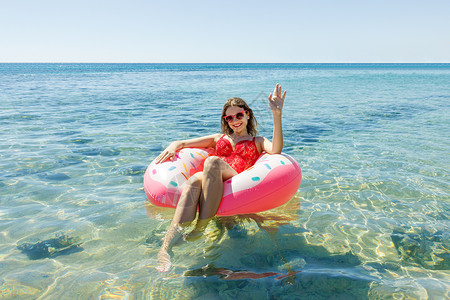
[(370, 219)]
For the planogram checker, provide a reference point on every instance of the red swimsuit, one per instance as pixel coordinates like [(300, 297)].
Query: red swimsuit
[(242, 157)]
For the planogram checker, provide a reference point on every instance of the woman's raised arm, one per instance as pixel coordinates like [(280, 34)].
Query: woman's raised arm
[(276, 101)]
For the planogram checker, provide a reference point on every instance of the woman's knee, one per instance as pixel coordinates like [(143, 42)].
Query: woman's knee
[(212, 163), (191, 192), (195, 181)]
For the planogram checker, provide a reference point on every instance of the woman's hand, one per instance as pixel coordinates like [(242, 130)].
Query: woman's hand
[(276, 99), (169, 152)]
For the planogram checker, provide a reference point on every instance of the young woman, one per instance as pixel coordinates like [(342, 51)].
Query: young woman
[(236, 149)]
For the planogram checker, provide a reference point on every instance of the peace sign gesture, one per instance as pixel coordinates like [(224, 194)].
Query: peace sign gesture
[(276, 99)]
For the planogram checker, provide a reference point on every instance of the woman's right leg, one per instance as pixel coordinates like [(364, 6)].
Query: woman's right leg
[(215, 172), (185, 213)]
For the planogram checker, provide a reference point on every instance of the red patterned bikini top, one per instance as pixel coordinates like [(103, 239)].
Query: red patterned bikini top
[(242, 157)]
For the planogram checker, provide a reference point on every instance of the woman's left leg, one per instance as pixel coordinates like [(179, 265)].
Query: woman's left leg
[(184, 214)]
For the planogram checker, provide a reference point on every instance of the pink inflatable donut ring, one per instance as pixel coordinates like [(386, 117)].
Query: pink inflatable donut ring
[(271, 182)]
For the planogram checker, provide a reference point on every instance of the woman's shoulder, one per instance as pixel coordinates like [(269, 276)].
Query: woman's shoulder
[(259, 139), (219, 135), (263, 143)]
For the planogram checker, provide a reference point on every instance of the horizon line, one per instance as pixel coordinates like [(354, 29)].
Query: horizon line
[(87, 62)]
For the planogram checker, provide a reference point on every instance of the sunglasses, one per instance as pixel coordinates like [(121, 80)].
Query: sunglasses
[(240, 115)]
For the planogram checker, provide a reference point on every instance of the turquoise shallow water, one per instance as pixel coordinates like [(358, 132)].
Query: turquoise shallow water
[(370, 220)]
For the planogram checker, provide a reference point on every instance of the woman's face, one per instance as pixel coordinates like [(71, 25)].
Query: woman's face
[(238, 126)]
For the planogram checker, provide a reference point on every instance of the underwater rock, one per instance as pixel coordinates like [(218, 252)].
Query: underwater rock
[(133, 170), (66, 133), (308, 134), (260, 260), (99, 151), (55, 177), (426, 246), (62, 245), (157, 148), (80, 141), (66, 162), (236, 229), (23, 172), (395, 112)]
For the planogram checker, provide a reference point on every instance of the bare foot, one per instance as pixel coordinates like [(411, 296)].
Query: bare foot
[(174, 232), (164, 263)]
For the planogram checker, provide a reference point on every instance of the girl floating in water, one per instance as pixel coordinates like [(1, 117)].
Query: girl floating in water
[(236, 149)]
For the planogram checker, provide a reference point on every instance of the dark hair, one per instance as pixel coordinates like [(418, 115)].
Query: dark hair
[(251, 124)]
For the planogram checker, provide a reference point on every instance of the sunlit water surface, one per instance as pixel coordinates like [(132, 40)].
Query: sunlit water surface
[(370, 220)]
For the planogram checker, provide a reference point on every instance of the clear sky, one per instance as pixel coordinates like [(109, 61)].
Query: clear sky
[(225, 31)]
